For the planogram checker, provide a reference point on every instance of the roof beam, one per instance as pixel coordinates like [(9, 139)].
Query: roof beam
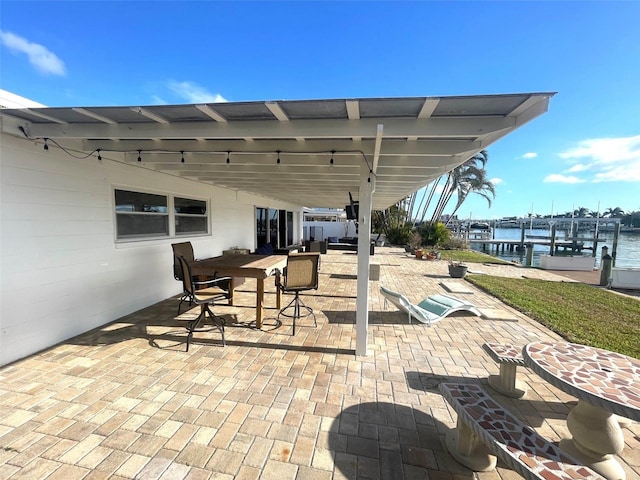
[(211, 113), (444, 127), (427, 110), (95, 116), (353, 109), (277, 111), (44, 116), (376, 149), (150, 115)]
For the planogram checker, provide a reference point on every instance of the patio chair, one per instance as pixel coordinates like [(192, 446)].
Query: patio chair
[(300, 274), (205, 297), (185, 250), (430, 310)]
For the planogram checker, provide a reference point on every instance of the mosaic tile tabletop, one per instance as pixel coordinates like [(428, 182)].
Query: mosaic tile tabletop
[(606, 379)]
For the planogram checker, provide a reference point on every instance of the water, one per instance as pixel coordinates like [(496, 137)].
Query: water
[(628, 254)]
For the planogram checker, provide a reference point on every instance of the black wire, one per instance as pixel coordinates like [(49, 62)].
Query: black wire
[(80, 157), (98, 150)]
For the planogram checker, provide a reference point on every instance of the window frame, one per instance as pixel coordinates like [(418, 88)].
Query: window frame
[(177, 215), (170, 215)]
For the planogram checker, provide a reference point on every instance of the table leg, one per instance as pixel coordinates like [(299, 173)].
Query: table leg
[(506, 383), (232, 286), (278, 291), (259, 302), (596, 439)]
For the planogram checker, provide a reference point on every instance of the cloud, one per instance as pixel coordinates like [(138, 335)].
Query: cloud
[(619, 174), (577, 168), (559, 178), (529, 155), (156, 100), (44, 61), (496, 181), (607, 159), (194, 93)]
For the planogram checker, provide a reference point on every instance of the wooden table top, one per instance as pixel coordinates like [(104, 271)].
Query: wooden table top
[(253, 266)]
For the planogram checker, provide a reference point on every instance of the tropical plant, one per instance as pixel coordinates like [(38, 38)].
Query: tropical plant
[(394, 222), (582, 212), (616, 212), (435, 234), (470, 177), (415, 240), (473, 179)]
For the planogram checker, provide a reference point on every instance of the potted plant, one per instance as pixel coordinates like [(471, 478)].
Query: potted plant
[(433, 255), (457, 269), (415, 241)]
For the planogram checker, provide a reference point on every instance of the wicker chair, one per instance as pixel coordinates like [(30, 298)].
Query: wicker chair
[(300, 274), (204, 297), (185, 250)]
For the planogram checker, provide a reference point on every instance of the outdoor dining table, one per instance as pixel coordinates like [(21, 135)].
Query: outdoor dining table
[(259, 267), (606, 384)]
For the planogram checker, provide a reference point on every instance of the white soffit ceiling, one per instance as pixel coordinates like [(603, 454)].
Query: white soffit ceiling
[(404, 142)]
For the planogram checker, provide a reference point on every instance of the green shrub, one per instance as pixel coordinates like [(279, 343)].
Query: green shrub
[(398, 235), (435, 234), (455, 243)]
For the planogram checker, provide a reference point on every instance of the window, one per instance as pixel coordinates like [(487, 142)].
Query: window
[(142, 215), (190, 216)]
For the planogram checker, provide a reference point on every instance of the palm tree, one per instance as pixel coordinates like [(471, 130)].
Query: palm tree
[(470, 177), (616, 212), (475, 182), (582, 212)]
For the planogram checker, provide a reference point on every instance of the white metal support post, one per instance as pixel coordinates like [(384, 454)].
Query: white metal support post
[(367, 187), (364, 240)]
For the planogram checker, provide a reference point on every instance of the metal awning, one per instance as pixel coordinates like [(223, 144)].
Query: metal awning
[(307, 152)]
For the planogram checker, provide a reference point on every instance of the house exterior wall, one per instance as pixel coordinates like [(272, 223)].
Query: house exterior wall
[(62, 272)]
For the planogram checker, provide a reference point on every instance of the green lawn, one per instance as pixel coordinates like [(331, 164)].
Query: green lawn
[(580, 313), (471, 257)]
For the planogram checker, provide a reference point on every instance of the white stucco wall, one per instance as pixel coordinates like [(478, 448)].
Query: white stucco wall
[(62, 272), (331, 229)]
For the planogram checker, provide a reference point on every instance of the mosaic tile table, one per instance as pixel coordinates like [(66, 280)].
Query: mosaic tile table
[(606, 384)]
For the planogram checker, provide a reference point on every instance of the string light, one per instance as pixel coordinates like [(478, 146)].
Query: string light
[(182, 152)]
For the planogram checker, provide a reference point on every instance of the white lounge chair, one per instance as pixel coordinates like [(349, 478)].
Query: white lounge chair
[(430, 310)]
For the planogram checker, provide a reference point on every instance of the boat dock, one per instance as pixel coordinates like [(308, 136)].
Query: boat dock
[(571, 243), (519, 245)]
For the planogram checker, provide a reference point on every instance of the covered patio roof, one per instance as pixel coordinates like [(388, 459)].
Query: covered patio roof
[(308, 152)]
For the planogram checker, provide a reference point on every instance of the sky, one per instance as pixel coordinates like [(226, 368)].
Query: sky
[(584, 152)]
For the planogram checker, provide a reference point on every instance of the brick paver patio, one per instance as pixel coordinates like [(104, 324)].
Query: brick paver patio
[(127, 402)]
